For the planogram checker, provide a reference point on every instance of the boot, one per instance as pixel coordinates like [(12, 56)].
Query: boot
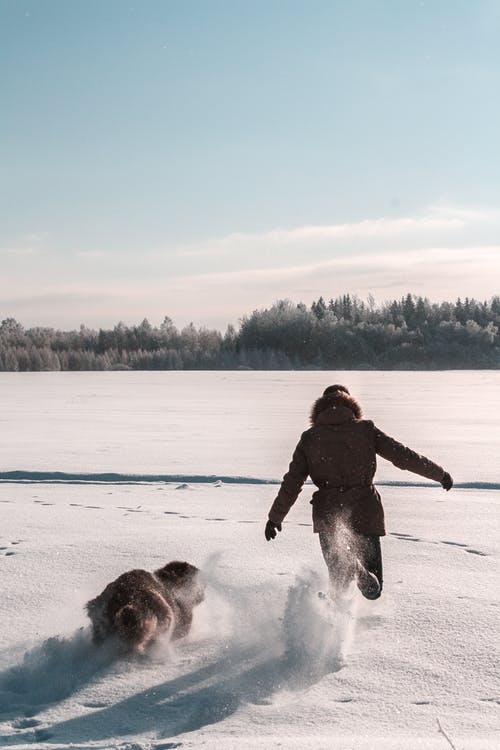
[(367, 582)]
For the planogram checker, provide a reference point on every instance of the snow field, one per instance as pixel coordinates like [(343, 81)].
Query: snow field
[(267, 661)]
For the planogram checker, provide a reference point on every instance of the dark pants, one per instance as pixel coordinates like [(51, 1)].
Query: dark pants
[(345, 551)]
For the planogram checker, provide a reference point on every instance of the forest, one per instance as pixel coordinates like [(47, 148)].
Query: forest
[(410, 333)]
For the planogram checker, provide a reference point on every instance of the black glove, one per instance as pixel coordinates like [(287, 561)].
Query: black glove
[(447, 481), (271, 529)]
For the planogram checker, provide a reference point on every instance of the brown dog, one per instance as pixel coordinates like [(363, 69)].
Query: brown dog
[(139, 606)]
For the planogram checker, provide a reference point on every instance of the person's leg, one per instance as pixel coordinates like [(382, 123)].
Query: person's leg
[(340, 559), (369, 555)]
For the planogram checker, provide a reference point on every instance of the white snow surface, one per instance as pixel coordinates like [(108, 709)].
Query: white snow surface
[(268, 662)]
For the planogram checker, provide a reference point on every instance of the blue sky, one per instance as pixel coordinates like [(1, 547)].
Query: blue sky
[(202, 159)]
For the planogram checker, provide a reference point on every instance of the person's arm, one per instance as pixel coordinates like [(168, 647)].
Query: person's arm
[(406, 459), (289, 491)]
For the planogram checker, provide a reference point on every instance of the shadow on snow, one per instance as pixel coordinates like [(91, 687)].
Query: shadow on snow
[(51, 672), (293, 654)]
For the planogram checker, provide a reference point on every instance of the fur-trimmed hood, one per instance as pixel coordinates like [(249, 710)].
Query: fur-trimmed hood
[(338, 399)]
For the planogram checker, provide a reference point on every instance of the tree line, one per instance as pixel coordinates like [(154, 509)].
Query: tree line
[(342, 333)]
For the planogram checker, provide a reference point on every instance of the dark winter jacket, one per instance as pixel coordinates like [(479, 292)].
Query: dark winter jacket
[(339, 454)]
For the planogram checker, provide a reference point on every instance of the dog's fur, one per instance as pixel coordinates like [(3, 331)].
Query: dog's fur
[(139, 606)]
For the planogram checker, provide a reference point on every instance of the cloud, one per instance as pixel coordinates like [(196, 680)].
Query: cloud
[(438, 222), (218, 298), (467, 215), (93, 254), (18, 251), (27, 244), (439, 272), (446, 253)]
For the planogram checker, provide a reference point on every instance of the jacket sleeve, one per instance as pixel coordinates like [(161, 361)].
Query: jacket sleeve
[(291, 485), (405, 458)]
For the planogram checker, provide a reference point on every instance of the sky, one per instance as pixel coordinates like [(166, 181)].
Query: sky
[(202, 159)]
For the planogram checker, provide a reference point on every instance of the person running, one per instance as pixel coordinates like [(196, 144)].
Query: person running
[(339, 453)]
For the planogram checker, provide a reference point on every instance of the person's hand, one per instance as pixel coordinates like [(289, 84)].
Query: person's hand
[(271, 529), (447, 481)]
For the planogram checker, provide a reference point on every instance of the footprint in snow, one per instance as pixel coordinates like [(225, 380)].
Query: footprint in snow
[(25, 723), (476, 552), (5, 548), (42, 735), (465, 548), (460, 545)]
